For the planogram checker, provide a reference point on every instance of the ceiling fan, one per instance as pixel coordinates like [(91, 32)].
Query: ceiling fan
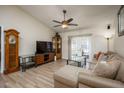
[(65, 23)]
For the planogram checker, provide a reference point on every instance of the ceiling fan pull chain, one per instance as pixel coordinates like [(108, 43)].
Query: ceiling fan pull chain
[(64, 17)]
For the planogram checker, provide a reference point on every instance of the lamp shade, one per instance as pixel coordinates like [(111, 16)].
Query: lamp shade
[(108, 35)]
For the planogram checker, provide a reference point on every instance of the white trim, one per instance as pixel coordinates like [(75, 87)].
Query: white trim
[(2, 50)]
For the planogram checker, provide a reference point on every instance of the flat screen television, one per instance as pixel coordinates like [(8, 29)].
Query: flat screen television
[(43, 47)]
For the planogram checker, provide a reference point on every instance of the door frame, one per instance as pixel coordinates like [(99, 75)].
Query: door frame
[(2, 50)]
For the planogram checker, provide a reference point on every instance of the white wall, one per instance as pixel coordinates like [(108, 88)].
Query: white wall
[(99, 43), (119, 42), (30, 28), (119, 45)]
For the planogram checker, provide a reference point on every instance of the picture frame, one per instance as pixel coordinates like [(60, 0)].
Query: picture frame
[(121, 21)]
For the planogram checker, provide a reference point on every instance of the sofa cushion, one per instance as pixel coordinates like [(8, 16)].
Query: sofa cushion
[(112, 56), (81, 85), (68, 75), (108, 69), (92, 80), (120, 74)]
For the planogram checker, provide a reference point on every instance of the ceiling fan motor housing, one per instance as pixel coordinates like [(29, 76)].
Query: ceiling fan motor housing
[(64, 11)]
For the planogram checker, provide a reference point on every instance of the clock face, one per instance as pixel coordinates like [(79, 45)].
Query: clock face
[(12, 39)]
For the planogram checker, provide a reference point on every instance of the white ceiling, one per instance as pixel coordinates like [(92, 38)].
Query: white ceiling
[(85, 16)]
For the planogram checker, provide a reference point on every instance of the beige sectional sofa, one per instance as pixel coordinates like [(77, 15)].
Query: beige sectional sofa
[(74, 77)]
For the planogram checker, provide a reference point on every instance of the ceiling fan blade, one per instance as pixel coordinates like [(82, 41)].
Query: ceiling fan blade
[(57, 25), (73, 24), (57, 21), (69, 20)]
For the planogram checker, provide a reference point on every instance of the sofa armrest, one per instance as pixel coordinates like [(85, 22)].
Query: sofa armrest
[(98, 82)]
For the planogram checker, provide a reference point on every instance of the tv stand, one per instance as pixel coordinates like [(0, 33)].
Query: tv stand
[(44, 58)]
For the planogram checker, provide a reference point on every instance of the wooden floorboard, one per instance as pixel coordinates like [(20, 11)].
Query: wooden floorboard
[(40, 77)]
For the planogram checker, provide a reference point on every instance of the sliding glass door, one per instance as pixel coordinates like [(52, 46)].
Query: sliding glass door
[(79, 46)]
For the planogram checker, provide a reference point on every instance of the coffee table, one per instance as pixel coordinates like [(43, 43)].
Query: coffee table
[(81, 61)]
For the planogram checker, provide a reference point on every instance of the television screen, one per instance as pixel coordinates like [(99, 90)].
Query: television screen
[(49, 46), (43, 47)]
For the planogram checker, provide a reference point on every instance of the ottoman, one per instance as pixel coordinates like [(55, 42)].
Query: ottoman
[(67, 77)]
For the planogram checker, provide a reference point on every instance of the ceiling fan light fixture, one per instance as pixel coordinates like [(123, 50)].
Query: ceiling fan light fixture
[(64, 26)]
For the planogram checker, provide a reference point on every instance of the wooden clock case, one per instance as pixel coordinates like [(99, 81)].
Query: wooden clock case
[(11, 51)]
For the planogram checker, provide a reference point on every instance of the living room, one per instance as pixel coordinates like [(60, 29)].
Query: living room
[(96, 25)]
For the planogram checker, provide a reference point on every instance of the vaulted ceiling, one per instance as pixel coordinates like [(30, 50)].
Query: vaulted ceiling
[(85, 16)]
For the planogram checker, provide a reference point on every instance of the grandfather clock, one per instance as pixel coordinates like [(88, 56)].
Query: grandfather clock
[(11, 51)]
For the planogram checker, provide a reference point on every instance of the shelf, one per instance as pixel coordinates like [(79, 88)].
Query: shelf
[(57, 45), (44, 58)]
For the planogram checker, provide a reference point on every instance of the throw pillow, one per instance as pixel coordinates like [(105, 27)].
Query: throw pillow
[(102, 57), (108, 69), (97, 55), (110, 57)]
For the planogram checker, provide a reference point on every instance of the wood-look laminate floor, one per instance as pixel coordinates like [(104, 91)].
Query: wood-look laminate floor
[(40, 77)]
